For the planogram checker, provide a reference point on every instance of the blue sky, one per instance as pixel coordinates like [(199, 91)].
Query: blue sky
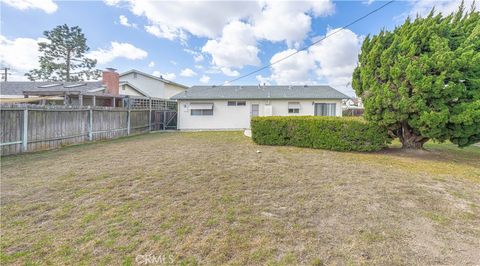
[(227, 39)]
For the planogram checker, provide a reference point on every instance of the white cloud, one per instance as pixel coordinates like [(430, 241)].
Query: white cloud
[(151, 64), (236, 48), (20, 55), (124, 21), (337, 57), (332, 60), (187, 72), (263, 80), (233, 27), (272, 20), (294, 70), (173, 62), (111, 2), (199, 18), (168, 76), (289, 20), (117, 50), (229, 72), (197, 56), (164, 31), (204, 79), (47, 6), (423, 7)]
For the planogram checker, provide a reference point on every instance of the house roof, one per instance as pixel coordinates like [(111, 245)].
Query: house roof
[(259, 92), (153, 77), (18, 87)]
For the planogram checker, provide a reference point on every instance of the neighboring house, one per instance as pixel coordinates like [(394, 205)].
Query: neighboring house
[(231, 107), (352, 103), (353, 107), (92, 93), (137, 83), (110, 91), (14, 89)]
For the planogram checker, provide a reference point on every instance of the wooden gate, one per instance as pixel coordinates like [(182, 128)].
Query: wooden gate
[(164, 120)]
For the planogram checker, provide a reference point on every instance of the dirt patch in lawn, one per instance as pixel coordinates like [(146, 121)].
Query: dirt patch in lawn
[(211, 198)]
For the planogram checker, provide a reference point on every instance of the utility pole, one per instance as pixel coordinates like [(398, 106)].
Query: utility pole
[(5, 74)]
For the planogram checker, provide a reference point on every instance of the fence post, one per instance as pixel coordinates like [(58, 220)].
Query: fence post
[(90, 124), (164, 120), (150, 114), (128, 121), (25, 130)]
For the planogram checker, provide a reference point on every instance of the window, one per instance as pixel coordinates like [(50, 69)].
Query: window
[(255, 109), (236, 103), (202, 112), (293, 111), (201, 109), (325, 109), (134, 75), (294, 108)]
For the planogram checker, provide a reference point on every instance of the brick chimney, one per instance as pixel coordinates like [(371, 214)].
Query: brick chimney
[(110, 79)]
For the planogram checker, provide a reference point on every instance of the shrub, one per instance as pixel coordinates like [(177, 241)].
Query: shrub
[(332, 133)]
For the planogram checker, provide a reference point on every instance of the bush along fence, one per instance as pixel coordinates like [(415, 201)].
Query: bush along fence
[(332, 133), (27, 128)]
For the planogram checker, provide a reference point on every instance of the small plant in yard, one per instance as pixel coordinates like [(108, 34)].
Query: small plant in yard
[(332, 133)]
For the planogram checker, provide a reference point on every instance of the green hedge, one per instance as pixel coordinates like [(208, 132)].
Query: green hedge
[(332, 133)]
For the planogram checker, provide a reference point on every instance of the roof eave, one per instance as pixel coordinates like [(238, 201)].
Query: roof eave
[(153, 77), (251, 99)]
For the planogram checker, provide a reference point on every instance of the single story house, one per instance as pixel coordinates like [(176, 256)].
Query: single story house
[(231, 107), (137, 83)]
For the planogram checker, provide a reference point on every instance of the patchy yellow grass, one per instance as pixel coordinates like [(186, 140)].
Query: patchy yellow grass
[(427, 162), (210, 198)]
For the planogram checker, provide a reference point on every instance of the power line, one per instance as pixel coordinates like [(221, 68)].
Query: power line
[(312, 44)]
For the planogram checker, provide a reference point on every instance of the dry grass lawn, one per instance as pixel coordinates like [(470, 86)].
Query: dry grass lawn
[(210, 198)]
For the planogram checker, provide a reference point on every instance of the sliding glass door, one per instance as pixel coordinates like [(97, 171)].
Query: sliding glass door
[(325, 109)]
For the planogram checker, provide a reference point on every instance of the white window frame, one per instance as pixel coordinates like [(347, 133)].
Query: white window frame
[(201, 111), (236, 103), (294, 107)]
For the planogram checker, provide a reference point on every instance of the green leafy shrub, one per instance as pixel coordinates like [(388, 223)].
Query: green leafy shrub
[(421, 81), (332, 133)]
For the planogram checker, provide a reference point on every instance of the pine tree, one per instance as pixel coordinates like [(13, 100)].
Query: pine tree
[(422, 81), (64, 57)]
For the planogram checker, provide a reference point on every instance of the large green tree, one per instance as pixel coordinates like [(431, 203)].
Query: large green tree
[(422, 81), (64, 56)]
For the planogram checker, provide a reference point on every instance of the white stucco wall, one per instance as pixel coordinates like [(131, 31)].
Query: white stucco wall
[(171, 90), (125, 89), (152, 87), (238, 117)]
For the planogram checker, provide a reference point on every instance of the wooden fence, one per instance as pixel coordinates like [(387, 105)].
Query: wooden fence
[(34, 128)]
